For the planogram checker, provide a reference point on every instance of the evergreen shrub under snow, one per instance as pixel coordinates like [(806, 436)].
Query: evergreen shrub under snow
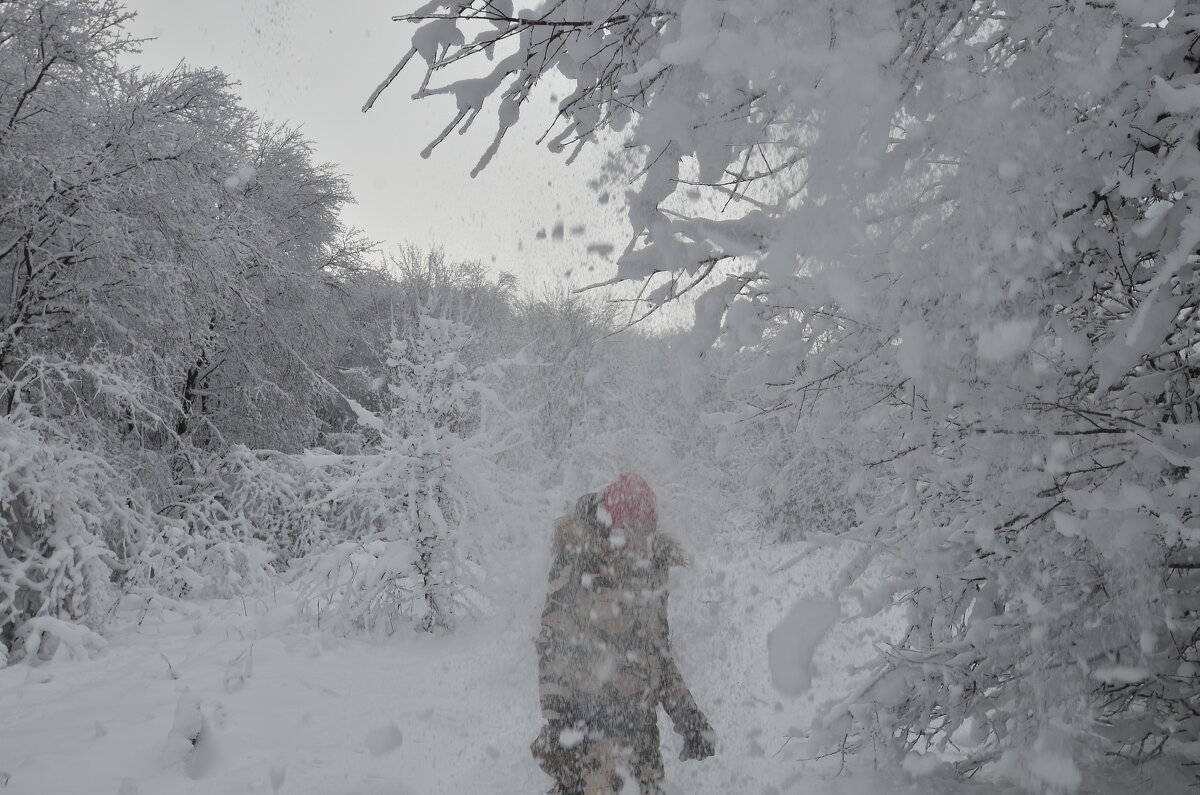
[(415, 494)]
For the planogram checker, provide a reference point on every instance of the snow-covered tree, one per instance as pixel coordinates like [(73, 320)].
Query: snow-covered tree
[(165, 255), (968, 231), (258, 369), (411, 503), (560, 337), (153, 225)]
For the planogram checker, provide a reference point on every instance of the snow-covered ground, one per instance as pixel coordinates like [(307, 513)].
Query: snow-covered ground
[(281, 705), (278, 705)]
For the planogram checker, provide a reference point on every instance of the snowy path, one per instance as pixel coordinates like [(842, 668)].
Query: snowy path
[(289, 709), (303, 710)]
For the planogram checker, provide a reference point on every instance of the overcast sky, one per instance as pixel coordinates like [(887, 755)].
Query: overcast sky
[(314, 62)]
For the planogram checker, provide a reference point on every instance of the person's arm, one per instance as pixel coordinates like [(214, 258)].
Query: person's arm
[(556, 640), (699, 740), (555, 644)]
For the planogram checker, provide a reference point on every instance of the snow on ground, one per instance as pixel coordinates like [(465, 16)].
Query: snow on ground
[(245, 697), (284, 708)]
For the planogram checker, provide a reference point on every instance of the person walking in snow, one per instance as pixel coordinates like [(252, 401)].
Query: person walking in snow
[(604, 653)]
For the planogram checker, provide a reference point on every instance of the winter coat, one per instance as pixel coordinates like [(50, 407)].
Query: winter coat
[(604, 659)]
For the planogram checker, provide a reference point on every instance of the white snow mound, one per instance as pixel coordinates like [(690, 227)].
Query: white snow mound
[(384, 739), (791, 644)]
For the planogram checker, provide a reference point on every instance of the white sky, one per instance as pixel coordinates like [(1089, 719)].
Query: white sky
[(313, 63)]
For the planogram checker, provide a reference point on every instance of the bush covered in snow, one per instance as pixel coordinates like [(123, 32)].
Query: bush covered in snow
[(65, 532), (414, 492)]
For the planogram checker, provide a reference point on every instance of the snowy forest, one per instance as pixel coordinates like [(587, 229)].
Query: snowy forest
[(277, 502)]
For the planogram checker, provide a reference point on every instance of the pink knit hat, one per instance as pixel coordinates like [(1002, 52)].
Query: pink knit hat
[(630, 500)]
